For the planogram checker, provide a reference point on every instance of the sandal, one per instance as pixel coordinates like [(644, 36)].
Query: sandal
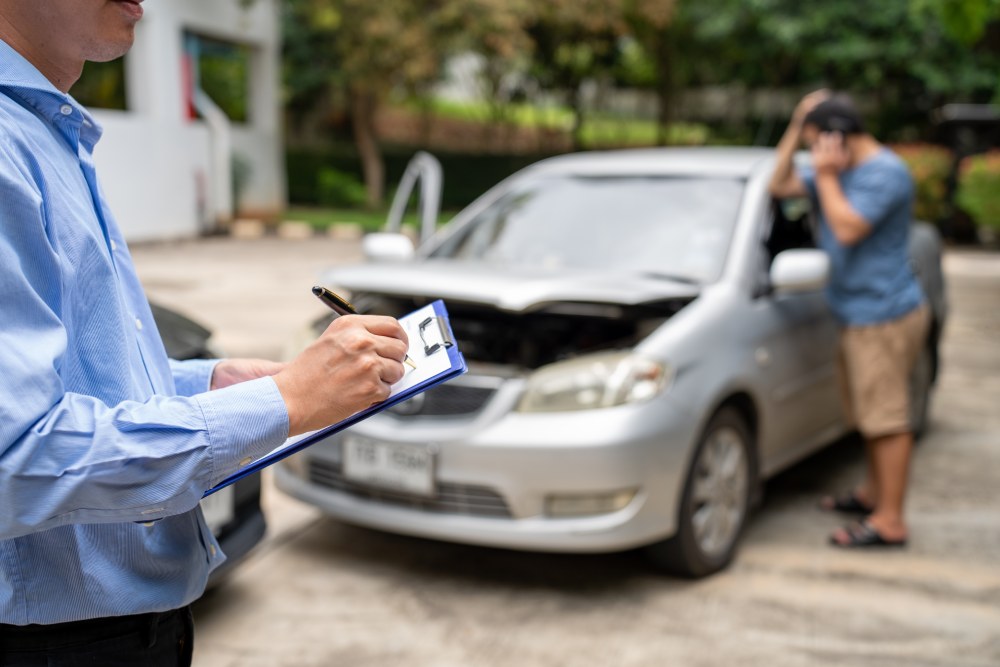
[(847, 503), (863, 534)]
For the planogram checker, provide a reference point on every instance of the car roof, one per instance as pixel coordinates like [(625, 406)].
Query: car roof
[(722, 162)]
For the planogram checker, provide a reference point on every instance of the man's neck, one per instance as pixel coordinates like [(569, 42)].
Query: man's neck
[(61, 73), (862, 147)]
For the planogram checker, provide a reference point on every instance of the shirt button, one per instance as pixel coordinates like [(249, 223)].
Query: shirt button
[(114, 246), (66, 110), (212, 550), (138, 324), (247, 461)]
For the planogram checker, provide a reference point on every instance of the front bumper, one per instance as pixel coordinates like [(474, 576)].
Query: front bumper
[(495, 471)]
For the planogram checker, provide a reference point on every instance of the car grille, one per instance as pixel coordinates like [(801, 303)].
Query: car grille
[(445, 400), (462, 499)]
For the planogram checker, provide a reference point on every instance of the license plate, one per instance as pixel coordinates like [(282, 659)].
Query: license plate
[(219, 509), (406, 468)]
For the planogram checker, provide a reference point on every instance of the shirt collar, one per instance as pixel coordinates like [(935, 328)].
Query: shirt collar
[(23, 80)]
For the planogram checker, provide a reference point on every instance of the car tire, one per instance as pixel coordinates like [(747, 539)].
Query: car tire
[(715, 502), (921, 388)]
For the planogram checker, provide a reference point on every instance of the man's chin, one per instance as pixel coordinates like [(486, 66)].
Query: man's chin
[(110, 50)]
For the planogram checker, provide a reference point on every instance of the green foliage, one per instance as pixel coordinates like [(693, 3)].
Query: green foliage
[(466, 176), (224, 74), (965, 20), (979, 188), (338, 189), (102, 85), (901, 62), (930, 167)]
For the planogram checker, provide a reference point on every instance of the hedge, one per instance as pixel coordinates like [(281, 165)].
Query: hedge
[(979, 188), (930, 167), (465, 176)]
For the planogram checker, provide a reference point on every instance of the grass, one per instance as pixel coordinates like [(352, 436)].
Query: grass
[(370, 221), (598, 129)]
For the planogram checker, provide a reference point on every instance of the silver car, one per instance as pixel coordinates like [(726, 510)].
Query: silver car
[(647, 339)]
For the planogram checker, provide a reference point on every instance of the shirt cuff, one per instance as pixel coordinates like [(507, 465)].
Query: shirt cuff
[(193, 376), (245, 421)]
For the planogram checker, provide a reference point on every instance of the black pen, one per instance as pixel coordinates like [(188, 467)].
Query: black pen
[(342, 306)]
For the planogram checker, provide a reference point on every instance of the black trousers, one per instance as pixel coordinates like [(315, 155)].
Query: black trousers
[(146, 640)]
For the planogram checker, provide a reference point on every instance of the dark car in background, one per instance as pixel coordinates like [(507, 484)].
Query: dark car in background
[(234, 513)]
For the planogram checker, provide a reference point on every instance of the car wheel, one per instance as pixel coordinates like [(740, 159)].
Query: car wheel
[(921, 384), (715, 501)]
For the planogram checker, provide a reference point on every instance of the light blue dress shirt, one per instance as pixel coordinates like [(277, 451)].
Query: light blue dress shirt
[(98, 429)]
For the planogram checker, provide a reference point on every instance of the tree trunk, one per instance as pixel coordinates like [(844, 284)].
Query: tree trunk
[(664, 86), (363, 108), (577, 107)]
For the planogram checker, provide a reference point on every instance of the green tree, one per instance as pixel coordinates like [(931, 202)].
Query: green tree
[(965, 20), (900, 61), (363, 49), (576, 41)]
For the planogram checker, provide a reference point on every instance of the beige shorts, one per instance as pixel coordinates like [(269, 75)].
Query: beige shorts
[(875, 366)]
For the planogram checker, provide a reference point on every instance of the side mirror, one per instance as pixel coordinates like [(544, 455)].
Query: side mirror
[(387, 247), (801, 270)]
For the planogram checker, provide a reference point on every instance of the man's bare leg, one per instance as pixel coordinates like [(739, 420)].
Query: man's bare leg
[(892, 471)]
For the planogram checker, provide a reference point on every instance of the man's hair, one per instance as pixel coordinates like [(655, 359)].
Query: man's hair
[(836, 114)]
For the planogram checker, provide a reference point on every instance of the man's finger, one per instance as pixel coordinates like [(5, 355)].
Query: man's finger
[(381, 325)]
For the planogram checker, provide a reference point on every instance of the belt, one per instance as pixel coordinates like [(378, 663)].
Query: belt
[(26, 638)]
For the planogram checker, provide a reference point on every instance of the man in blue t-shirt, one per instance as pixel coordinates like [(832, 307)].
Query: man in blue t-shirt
[(863, 195)]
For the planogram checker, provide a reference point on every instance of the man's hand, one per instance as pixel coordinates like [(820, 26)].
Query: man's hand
[(233, 371), (808, 103), (830, 154), (347, 369)]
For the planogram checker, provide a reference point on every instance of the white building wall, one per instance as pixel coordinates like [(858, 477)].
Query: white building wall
[(154, 162)]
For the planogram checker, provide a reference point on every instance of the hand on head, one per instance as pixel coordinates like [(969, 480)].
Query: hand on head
[(810, 102), (347, 369)]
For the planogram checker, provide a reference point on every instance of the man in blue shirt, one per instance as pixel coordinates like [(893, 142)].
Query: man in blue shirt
[(106, 446), (863, 196)]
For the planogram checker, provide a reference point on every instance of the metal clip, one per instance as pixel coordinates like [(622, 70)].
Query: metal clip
[(444, 337)]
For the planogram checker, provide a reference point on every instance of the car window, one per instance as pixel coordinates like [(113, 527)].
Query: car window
[(790, 225), (673, 227)]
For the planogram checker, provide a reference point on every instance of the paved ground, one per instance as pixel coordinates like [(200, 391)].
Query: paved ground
[(321, 593)]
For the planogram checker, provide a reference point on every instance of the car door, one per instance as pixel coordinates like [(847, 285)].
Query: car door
[(794, 347)]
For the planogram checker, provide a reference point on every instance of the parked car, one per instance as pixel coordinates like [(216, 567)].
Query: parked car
[(648, 340), (233, 514)]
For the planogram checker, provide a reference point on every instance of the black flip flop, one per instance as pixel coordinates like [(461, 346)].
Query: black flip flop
[(848, 503), (862, 535)]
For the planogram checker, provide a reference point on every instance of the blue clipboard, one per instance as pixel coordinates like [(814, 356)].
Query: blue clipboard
[(432, 344)]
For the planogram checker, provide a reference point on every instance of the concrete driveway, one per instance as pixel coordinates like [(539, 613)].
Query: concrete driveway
[(320, 593)]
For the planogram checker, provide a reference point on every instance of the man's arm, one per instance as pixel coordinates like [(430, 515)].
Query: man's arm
[(73, 458), (830, 158), (785, 182), (194, 376)]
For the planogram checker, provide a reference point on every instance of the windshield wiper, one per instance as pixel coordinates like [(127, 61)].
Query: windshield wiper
[(687, 280)]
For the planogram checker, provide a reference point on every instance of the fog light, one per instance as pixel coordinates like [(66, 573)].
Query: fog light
[(588, 504)]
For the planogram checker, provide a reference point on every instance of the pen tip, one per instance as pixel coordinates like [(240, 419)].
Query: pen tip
[(317, 290)]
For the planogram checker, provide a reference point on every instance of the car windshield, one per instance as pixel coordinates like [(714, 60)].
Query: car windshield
[(675, 228)]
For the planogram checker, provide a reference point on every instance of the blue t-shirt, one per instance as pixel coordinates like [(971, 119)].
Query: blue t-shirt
[(872, 282)]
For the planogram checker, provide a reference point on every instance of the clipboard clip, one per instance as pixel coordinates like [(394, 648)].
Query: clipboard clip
[(437, 337)]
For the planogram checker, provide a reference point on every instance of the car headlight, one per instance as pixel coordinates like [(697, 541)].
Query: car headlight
[(593, 381)]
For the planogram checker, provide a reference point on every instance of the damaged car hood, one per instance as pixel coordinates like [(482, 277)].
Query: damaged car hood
[(513, 289)]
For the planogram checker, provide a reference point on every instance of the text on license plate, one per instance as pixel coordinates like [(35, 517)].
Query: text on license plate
[(400, 467)]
